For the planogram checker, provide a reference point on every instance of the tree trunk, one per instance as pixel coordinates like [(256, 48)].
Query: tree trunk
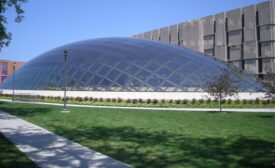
[(220, 104)]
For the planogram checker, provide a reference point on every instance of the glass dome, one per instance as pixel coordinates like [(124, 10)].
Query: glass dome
[(123, 64)]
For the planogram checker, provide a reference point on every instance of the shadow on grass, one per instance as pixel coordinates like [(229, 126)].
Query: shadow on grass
[(10, 157), (141, 148), (267, 116), (22, 111)]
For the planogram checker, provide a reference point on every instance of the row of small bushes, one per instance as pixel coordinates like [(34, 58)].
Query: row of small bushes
[(142, 101)]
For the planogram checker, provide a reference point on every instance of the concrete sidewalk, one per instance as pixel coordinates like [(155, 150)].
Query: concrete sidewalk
[(265, 110), (49, 150)]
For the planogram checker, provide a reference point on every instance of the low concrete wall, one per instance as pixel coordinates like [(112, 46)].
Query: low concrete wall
[(135, 95)]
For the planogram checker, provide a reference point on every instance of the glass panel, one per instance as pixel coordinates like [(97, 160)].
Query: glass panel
[(143, 75), (79, 74), (113, 74), (122, 80), (132, 69), (87, 77), (164, 72), (152, 66), (104, 70), (95, 80), (122, 65)]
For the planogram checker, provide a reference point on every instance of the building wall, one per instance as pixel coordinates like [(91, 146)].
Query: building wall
[(6, 68), (244, 37)]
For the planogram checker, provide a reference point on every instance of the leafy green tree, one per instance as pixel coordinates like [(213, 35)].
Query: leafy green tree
[(5, 36)]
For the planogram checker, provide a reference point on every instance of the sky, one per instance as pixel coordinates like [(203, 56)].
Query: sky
[(52, 23)]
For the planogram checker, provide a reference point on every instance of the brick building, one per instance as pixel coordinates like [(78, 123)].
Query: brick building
[(6, 68)]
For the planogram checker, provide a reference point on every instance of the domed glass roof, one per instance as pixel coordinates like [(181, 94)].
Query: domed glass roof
[(123, 64)]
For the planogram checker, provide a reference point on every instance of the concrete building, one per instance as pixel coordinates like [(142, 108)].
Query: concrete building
[(244, 37), (6, 68)]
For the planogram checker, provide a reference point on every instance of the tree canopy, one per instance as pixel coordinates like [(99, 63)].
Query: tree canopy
[(222, 86), (5, 36)]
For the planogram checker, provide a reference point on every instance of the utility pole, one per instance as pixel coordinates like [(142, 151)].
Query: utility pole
[(65, 110), (13, 70)]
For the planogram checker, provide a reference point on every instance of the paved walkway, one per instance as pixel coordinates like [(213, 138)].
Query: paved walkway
[(266, 110), (49, 150)]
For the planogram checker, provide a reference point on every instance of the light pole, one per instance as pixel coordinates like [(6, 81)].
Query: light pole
[(13, 70), (65, 110)]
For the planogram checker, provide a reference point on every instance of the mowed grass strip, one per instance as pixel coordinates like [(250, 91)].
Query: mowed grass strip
[(11, 157), (147, 138)]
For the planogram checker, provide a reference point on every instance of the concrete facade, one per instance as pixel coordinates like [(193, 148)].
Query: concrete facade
[(244, 37)]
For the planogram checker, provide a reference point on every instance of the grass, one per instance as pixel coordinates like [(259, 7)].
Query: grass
[(145, 138), (11, 157)]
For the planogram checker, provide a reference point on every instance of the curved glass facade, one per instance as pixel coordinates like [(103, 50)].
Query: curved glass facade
[(123, 64)]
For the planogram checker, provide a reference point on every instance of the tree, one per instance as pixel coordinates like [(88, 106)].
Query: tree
[(269, 82), (5, 36), (222, 86)]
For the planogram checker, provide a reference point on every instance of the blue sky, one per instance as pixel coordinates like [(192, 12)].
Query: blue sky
[(52, 23)]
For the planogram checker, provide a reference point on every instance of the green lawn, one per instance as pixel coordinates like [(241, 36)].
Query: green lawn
[(145, 138), (11, 157)]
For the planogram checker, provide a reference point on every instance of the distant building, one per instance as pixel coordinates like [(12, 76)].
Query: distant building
[(244, 37), (6, 68)]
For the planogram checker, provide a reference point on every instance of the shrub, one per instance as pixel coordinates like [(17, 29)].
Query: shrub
[(140, 101), (134, 101), (42, 97), (208, 100), (128, 101), (268, 101), (229, 101), (223, 101), (273, 101), (86, 98), (101, 99), (79, 99), (250, 101), (237, 101), (91, 98), (163, 101), (119, 100), (264, 102), (108, 100), (56, 97), (244, 101), (113, 99), (95, 99), (201, 100), (257, 101), (171, 101), (216, 100), (149, 101), (177, 101), (155, 101), (193, 101), (185, 101)]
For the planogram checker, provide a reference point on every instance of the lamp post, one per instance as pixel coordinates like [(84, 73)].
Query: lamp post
[(65, 110), (13, 70)]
